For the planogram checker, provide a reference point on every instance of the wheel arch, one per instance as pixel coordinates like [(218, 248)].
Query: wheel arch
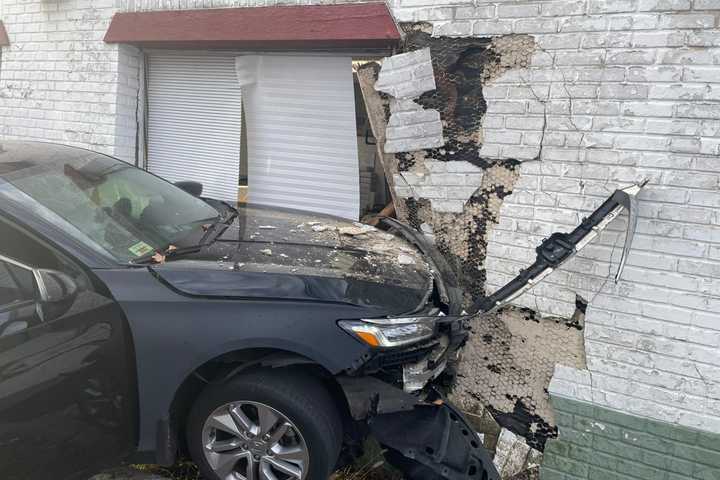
[(171, 436)]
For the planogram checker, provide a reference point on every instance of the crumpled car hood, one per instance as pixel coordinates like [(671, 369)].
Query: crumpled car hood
[(285, 254)]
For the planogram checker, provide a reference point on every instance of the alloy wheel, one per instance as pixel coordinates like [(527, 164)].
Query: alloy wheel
[(253, 441)]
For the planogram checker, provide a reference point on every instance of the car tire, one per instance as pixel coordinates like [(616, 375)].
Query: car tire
[(300, 400)]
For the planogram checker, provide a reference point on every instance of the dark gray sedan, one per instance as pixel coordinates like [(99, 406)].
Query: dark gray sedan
[(140, 322)]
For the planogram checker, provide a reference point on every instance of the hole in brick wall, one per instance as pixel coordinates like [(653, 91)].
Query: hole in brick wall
[(504, 371)]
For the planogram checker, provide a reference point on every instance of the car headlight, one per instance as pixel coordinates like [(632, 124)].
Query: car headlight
[(391, 332)]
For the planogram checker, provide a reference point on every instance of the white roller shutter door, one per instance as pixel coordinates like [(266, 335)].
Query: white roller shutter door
[(194, 114), (302, 142)]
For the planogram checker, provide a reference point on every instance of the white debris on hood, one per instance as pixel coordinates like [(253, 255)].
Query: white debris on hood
[(356, 229), (267, 227), (405, 259), (321, 228), (266, 251)]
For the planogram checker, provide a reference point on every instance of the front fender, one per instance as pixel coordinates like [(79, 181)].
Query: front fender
[(175, 334)]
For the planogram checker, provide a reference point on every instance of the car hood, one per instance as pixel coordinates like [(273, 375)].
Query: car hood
[(291, 255)]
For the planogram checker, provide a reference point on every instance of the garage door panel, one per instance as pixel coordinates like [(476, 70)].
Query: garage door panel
[(194, 115), (300, 113)]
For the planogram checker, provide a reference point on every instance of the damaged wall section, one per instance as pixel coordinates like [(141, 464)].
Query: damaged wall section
[(455, 192), (439, 184), (615, 92), (604, 94)]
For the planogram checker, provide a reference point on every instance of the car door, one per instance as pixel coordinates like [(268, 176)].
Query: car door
[(68, 399)]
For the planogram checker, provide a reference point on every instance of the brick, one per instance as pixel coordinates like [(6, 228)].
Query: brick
[(648, 109), (586, 24), (524, 123), (520, 152), (658, 39), (518, 11), (568, 466), (706, 4), (560, 41), (562, 9), (597, 473), (579, 58), (684, 56), (698, 110), (542, 25), (502, 136), (686, 214), (703, 38), (629, 92), (607, 39), (710, 146), (699, 268), (558, 91), (706, 199), (671, 246), (701, 74), (672, 127), (689, 20), (663, 5), (612, 6), (453, 29), (638, 470), (506, 107), (698, 454), (494, 27), (637, 21), (685, 145), (475, 12), (547, 473), (630, 142)]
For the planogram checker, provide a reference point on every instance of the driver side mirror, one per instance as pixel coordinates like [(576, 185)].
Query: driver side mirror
[(193, 188), (57, 290)]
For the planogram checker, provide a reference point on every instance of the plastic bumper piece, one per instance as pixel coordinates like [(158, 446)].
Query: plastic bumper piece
[(433, 442)]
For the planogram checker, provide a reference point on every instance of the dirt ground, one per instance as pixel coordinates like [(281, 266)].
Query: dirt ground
[(188, 472), (370, 466)]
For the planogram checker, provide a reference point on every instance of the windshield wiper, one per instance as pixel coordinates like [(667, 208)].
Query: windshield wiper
[(216, 228), (213, 230)]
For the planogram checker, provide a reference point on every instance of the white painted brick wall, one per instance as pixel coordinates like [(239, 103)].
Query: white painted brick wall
[(58, 80), (627, 89), (630, 89)]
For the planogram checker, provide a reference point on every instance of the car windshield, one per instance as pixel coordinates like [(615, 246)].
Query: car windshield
[(110, 206)]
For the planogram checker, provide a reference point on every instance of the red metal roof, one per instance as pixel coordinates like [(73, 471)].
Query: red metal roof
[(364, 25), (4, 40)]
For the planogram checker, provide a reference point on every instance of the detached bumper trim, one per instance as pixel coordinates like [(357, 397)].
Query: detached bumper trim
[(433, 442)]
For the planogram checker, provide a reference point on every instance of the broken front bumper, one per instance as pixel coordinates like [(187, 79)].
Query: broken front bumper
[(400, 402), (433, 442), (559, 247)]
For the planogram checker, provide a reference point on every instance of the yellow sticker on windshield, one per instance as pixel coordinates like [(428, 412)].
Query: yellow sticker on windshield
[(140, 249)]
